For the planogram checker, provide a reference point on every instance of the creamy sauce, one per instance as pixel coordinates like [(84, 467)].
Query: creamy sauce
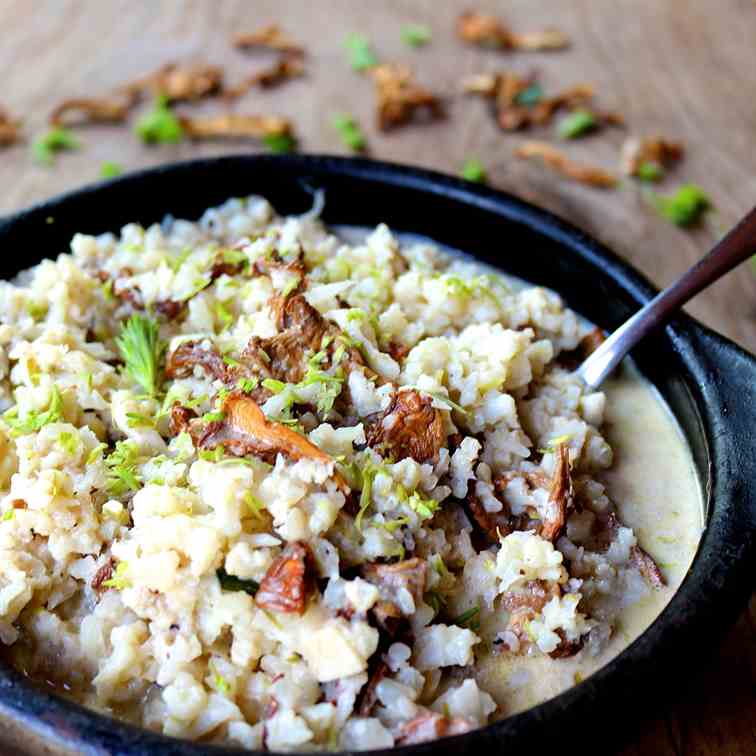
[(654, 484), (656, 490)]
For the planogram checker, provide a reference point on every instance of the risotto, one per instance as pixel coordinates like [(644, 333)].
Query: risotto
[(266, 487)]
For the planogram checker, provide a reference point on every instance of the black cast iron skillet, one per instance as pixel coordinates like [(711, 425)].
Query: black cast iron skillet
[(708, 382)]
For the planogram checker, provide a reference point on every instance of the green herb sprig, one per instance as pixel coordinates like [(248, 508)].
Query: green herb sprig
[(56, 140), (160, 125), (142, 351)]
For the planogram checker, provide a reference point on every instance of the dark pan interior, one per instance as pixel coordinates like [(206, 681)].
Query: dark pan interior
[(698, 373)]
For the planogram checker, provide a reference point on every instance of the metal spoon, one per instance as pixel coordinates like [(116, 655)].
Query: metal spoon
[(733, 249)]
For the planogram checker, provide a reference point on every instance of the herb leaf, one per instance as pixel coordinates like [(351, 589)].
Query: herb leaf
[(468, 618), (56, 140), (650, 171), (416, 35), (35, 419), (361, 57), (233, 583), (280, 144), (350, 131), (142, 352), (159, 125), (683, 208), (473, 170), (576, 124), (109, 169)]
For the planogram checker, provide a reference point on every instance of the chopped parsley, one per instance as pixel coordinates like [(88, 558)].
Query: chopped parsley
[(213, 417), (361, 57), (119, 581), (280, 144), (368, 474), (426, 508), (224, 315), (435, 601), (468, 619), (69, 442), (233, 583), (142, 352), (576, 124), (350, 131), (274, 386), (109, 169), (256, 507), (248, 385), (531, 95), (159, 125), (9, 514), (56, 140), (121, 464), (221, 684), (96, 454), (683, 208), (416, 35), (650, 171), (136, 420), (473, 170), (34, 419)]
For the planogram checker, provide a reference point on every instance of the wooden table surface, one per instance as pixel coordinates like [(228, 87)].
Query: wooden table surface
[(681, 68)]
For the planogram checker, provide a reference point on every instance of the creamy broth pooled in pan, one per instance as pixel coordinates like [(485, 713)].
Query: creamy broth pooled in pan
[(268, 484)]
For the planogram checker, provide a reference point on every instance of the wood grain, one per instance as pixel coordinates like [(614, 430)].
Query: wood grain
[(682, 68)]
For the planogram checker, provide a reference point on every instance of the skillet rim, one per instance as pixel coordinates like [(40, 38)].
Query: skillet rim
[(96, 733)]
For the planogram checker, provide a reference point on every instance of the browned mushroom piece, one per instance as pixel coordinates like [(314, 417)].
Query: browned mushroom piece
[(269, 37), (179, 83), (180, 419), (657, 152), (559, 162), (485, 30), (285, 586), (400, 98), (647, 567), (409, 575), (430, 725), (104, 573), (245, 430), (506, 89), (188, 354), (369, 695), (113, 109), (287, 67), (491, 525), (409, 427), (235, 126), (170, 309), (560, 501), (10, 129), (591, 342), (566, 648)]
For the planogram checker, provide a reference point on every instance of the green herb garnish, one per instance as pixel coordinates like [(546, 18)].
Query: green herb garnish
[(361, 57), (350, 131), (416, 35), (233, 583), (576, 124), (142, 352), (280, 144), (650, 171), (56, 140), (121, 465), (34, 419), (683, 208), (119, 581), (473, 170), (213, 417), (109, 169), (248, 385), (159, 125), (468, 618)]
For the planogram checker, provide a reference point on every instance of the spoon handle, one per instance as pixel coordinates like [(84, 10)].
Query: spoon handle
[(738, 245)]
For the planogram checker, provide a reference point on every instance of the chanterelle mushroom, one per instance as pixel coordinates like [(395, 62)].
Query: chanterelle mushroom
[(245, 430)]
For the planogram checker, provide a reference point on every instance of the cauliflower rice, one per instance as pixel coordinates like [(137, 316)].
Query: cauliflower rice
[(264, 487)]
